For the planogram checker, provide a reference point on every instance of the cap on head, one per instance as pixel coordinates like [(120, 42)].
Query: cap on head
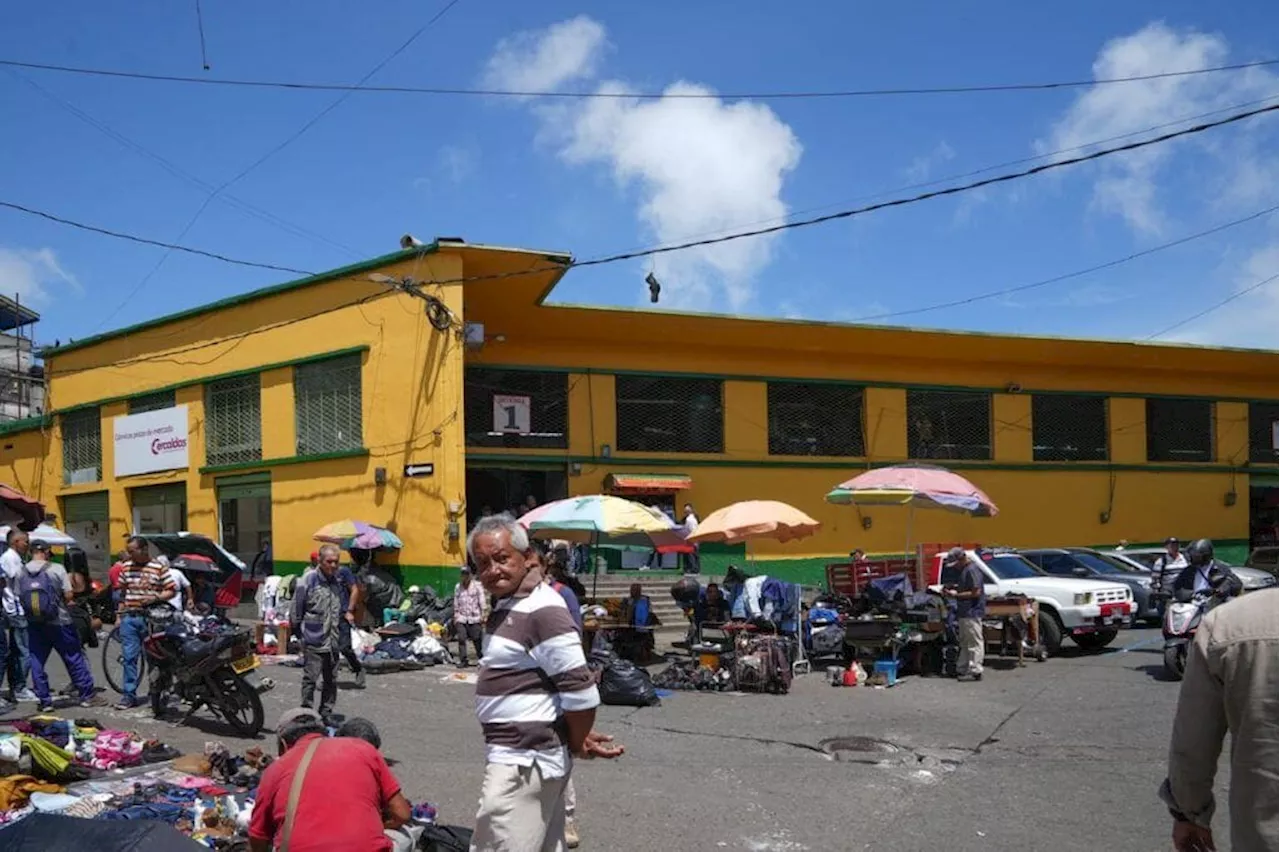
[(41, 547), (465, 569), (955, 556), (1173, 539), (315, 556)]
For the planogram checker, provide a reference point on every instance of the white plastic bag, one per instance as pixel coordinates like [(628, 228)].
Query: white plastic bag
[(362, 642), (426, 645)]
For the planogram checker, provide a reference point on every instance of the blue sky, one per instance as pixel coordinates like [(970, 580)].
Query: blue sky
[(599, 177)]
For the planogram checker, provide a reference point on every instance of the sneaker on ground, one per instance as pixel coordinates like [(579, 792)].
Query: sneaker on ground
[(571, 838), (93, 701), (45, 707), (128, 702), (25, 696), (7, 707)]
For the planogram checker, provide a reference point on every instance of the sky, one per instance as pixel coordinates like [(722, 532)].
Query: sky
[(314, 180)]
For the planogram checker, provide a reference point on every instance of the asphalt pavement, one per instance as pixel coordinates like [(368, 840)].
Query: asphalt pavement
[(1061, 755)]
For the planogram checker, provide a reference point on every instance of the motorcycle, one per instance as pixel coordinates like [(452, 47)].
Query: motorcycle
[(1182, 616), (205, 669)]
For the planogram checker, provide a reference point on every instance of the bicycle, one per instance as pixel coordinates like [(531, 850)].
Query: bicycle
[(113, 654)]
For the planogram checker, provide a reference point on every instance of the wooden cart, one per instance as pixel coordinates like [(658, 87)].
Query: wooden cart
[(1007, 610)]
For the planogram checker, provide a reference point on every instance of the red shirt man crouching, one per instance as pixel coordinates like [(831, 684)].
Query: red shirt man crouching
[(347, 796)]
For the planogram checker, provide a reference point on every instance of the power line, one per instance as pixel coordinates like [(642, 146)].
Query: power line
[(520, 93), (106, 232), (1069, 275), (271, 153), (938, 193), (1246, 291)]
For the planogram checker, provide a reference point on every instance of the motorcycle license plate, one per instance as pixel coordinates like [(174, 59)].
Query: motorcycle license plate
[(245, 664)]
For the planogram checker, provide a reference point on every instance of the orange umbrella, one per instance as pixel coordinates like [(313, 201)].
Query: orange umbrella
[(755, 519)]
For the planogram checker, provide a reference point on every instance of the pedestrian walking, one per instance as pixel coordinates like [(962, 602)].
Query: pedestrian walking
[(317, 614), (971, 606), (17, 652), (535, 697), (144, 583), (468, 615), (692, 561), (556, 578), (1230, 685), (45, 592)]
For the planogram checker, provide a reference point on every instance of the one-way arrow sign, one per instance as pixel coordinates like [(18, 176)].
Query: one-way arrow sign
[(415, 470)]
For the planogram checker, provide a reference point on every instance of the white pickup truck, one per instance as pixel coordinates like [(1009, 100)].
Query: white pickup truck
[(1091, 612)]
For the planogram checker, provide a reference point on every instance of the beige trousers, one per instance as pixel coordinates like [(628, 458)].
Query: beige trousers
[(972, 646), (520, 811)]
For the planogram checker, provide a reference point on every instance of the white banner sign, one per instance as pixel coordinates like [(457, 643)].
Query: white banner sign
[(154, 440), (511, 414)]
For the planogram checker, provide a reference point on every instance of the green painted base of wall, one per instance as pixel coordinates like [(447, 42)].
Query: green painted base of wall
[(442, 578)]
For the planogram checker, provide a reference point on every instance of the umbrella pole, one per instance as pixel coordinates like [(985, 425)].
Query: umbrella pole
[(911, 515), (595, 565)]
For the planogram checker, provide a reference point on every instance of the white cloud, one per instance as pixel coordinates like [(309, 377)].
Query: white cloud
[(458, 162), (31, 273), (1127, 184), (1249, 320), (699, 166), (544, 60), (921, 168)]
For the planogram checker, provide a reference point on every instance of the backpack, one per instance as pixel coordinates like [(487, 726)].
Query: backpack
[(39, 596)]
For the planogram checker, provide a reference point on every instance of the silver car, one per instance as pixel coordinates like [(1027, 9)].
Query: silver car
[(1252, 579)]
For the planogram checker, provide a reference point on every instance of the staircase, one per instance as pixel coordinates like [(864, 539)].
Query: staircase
[(674, 625)]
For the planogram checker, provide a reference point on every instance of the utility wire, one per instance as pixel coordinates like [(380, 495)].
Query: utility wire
[(106, 232), (1246, 291), (271, 153), (1069, 275), (747, 95), (801, 223)]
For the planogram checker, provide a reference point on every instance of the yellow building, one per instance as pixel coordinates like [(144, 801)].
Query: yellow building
[(348, 395)]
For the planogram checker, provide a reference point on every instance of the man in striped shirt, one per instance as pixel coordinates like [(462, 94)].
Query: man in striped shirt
[(535, 697), (144, 583)]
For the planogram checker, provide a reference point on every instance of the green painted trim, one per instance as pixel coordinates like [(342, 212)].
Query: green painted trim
[(12, 427), (1264, 480), (442, 578), (281, 462), (748, 377), (857, 464), (243, 298), (217, 377)]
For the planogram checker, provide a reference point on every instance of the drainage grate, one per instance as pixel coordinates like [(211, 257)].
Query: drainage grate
[(858, 749)]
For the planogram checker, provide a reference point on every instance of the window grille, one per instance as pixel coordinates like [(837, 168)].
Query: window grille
[(815, 419), (659, 414), (546, 414), (233, 420), (1069, 428), (82, 446), (1180, 430), (948, 424), (328, 406), (152, 402), (1262, 435)]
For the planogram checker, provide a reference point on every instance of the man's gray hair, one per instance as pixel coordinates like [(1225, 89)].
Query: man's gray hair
[(490, 524), (329, 548), (291, 732)]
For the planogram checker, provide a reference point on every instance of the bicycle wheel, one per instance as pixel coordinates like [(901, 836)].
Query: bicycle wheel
[(113, 665)]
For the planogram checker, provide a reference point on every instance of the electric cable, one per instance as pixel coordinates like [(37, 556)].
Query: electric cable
[(1236, 295), (529, 93)]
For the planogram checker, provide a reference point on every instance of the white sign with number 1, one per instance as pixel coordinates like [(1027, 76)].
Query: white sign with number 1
[(510, 414)]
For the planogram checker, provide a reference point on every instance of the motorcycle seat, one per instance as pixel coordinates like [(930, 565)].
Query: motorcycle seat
[(194, 649)]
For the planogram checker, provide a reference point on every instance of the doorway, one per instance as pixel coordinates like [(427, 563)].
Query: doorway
[(1262, 515), (244, 518), (505, 489), (85, 518), (159, 508)]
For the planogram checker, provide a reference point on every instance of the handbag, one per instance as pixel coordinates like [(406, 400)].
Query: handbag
[(295, 792)]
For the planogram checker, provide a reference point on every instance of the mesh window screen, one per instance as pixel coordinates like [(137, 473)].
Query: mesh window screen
[(233, 420), (658, 414), (152, 402), (82, 446), (948, 424), (810, 419), (327, 406), (1179, 430), (1262, 434), (516, 408), (1069, 428)]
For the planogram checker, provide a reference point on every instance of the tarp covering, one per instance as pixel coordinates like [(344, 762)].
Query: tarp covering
[(47, 832), (646, 483)]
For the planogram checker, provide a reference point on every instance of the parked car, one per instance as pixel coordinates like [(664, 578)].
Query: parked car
[(1087, 563), (1253, 579), (1091, 612), (1262, 559)]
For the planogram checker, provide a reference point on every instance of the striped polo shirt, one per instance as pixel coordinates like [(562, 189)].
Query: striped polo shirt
[(532, 672), (143, 583)]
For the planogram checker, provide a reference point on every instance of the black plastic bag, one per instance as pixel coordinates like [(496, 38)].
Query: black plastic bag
[(625, 684), (445, 838)]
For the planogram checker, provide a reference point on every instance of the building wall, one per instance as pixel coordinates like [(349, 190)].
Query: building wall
[(411, 389)]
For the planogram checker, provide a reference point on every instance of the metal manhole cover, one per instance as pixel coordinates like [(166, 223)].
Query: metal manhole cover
[(858, 749)]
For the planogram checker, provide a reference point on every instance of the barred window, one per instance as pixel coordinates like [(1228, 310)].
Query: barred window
[(948, 424), (327, 405), (233, 420), (152, 402), (82, 446), (1179, 430), (815, 419), (1262, 431), (516, 408), (1068, 428), (660, 414)]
